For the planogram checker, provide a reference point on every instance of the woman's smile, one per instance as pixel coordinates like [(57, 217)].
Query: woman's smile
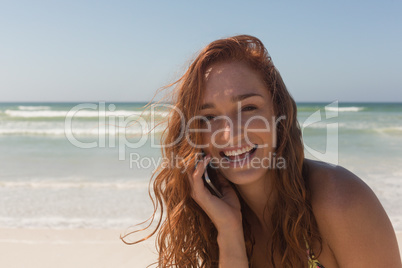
[(240, 157)]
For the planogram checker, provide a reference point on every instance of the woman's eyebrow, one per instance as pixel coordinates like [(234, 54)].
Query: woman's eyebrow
[(233, 99)]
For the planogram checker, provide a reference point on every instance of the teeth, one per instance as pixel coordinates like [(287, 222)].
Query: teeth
[(239, 151)]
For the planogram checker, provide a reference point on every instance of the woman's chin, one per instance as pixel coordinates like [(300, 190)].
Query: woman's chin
[(244, 176)]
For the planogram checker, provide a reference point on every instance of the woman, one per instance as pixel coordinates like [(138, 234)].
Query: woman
[(237, 111)]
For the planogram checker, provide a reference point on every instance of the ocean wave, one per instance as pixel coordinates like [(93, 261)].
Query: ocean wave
[(75, 185), (66, 223), (33, 108), (81, 113), (80, 132), (357, 127), (345, 109), (321, 125), (389, 130), (59, 128)]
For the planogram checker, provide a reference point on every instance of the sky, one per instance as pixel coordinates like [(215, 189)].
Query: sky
[(123, 51)]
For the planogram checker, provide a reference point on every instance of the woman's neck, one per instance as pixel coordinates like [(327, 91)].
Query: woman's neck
[(259, 198)]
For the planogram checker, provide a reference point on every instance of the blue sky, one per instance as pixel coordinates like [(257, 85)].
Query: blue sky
[(126, 50)]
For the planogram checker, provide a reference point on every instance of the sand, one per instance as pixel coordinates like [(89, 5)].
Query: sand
[(21, 248), (79, 248)]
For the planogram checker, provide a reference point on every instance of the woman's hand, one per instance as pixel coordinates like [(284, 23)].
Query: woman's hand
[(226, 215), (224, 212)]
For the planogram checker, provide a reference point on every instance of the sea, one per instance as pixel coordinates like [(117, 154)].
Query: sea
[(89, 164)]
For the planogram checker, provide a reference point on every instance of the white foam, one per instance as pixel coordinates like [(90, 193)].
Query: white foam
[(83, 132), (345, 109), (390, 130), (33, 108), (323, 125), (396, 222), (80, 129), (81, 113), (72, 185), (56, 222)]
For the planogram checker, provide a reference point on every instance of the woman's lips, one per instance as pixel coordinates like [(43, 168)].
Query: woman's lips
[(239, 158)]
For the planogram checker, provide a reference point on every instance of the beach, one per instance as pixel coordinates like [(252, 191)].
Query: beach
[(76, 248), (47, 248), (69, 189)]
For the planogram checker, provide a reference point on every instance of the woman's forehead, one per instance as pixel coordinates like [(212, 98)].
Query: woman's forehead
[(224, 80)]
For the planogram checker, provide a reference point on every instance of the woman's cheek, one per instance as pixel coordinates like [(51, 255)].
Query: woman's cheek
[(205, 139), (258, 123), (259, 126)]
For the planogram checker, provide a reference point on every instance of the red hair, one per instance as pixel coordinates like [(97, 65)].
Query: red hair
[(186, 236)]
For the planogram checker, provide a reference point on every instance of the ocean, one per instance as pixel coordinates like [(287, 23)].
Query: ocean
[(88, 165)]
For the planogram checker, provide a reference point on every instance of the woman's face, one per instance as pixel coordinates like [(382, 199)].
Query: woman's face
[(238, 122)]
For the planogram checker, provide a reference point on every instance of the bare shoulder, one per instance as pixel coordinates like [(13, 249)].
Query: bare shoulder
[(335, 187), (352, 222)]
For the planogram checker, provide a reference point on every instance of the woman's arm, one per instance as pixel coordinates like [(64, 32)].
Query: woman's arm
[(353, 223), (232, 249), (226, 215)]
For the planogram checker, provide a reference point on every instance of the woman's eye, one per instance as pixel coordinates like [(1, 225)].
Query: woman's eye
[(249, 108), (206, 118), (209, 117)]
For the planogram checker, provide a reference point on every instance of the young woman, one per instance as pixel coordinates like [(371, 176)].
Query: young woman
[(277, 209)]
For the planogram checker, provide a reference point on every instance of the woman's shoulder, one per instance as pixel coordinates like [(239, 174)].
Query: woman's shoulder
[(336, 191), (352, 222), (333, 186)]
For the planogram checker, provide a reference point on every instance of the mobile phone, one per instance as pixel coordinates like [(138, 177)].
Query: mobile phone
[(208, 181)]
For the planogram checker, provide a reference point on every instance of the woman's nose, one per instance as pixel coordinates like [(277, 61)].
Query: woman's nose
[(227, 130)]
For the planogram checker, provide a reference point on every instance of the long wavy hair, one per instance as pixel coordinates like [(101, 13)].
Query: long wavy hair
[(186, 237)]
